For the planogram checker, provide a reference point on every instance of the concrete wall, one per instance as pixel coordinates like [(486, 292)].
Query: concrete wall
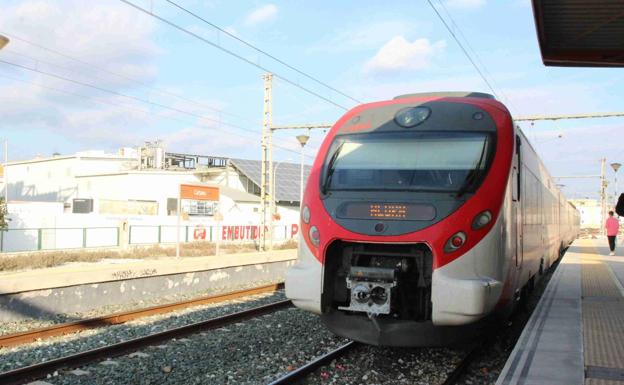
[(43, 304)]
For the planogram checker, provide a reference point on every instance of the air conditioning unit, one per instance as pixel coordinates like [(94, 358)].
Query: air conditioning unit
[(82, 206)]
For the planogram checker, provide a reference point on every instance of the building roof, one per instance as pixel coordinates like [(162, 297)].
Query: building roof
[(83, 155), (232, 193), (238, 195), (580, 33), (287, 178)]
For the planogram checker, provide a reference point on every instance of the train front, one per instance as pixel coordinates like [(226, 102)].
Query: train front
[(403, 220)]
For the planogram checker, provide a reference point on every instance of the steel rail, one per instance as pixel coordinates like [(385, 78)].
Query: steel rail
[(29, 336), (28, 373), (454, 376), (319, 362)]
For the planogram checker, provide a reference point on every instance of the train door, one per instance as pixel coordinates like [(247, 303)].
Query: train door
[(517, 204)]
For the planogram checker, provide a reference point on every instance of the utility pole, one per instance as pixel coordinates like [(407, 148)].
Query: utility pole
[(603, 193), (603, 189), (266, 200), (5, 171), (616, 167)]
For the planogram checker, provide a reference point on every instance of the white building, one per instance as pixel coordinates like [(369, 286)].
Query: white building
[(138, 189), (591, 216)]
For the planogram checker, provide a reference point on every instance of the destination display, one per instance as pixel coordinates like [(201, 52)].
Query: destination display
[(387, 211)]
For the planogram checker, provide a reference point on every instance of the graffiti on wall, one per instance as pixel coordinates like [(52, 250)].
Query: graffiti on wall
[(249, 232)]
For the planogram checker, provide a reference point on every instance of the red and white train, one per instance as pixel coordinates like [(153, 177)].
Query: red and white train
[(422, 217)]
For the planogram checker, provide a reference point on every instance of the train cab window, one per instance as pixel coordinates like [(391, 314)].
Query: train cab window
[(440, 162)]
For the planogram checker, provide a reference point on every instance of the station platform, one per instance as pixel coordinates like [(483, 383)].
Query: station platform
[(576, 333), (85, 286), (109, 270)]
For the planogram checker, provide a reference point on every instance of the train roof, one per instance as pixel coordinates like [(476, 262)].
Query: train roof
[(450, 94)]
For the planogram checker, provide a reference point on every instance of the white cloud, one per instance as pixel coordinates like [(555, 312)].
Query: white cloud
[(464, 4), (207, 140), (399, 54), (263, 14), (360, 36), (109, 35)]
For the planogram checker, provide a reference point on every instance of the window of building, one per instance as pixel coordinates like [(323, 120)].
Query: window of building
[(199, 208), (172, 206), (129, 207)]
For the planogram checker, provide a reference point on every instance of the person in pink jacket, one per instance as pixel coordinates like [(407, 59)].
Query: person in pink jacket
[(612, 226)]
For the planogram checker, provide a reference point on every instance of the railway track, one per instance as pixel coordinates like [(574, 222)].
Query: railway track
[(302, 372), (29, 336), (32, 372), (455, 375), (319, 362)]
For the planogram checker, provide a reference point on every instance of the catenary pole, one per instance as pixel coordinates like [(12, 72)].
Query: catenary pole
[(267, 165)]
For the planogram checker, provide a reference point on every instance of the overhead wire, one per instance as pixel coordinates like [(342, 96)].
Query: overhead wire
[(300, 72), (232, 53), (37, 60), (128, 107), (474, 52), (102, 69), (450, 30), (102, 89)]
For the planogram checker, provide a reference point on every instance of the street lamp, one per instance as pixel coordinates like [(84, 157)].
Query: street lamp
[(274, 185), (616, 167), (303, 139), (3, 41), (273, 201)]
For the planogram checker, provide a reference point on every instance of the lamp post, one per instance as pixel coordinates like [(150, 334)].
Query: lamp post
[(616, 167), (303, 139), (3, 41), (274, 196), (274, 186)]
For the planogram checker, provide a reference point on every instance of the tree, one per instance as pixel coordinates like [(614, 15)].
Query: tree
[(4, 221)]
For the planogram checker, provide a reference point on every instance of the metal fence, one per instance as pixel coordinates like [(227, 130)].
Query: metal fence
[(35, 239), (154, 234)]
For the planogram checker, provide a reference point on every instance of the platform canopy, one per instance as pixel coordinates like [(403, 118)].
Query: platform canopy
[(580, 33)]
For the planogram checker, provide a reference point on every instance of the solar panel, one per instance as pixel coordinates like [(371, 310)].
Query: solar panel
[(286, 179)]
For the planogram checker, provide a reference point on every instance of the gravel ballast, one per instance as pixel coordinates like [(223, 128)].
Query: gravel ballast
[(389, 366), (14, 357), (31, 324), (251, 352)]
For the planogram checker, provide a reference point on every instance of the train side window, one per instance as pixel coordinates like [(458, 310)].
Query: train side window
[(514, 185), (516, 177)]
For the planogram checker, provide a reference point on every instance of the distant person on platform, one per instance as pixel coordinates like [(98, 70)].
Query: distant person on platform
[(612, 226)]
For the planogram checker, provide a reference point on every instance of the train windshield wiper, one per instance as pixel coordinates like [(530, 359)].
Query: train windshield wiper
[(474, 173), (330, 169)]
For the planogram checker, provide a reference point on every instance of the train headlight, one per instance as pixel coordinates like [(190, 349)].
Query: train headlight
[(412, 116), (455, 242), (481, 220), (315, 236), (305, 214)]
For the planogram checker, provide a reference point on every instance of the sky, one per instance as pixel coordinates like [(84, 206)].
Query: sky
[(102, 75)]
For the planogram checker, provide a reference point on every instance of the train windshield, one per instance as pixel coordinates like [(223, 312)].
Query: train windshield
[(440, 161)]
